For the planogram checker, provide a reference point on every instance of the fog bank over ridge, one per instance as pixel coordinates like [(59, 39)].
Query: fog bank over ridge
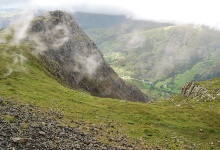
[(181, 12)]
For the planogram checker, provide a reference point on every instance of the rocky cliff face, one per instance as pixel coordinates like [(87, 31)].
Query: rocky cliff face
[(71, 56)]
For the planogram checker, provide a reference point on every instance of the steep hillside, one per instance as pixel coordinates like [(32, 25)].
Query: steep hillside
[(166, 51), (158, 58), (27, 88), (167, 57), (71, 56), (102, 28)]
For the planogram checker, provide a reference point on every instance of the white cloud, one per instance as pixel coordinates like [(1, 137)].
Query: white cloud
[(179, 11)]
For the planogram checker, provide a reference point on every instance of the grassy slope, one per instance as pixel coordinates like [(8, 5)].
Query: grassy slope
[(159, 123)]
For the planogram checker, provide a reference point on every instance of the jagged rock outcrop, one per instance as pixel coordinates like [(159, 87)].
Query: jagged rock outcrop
[(194, 90), (71, 56)]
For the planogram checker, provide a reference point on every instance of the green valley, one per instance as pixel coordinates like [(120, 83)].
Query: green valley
[(162, 57)]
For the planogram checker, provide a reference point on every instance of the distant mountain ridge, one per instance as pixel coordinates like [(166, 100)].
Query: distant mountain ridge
[(101, 28), (6, 15)]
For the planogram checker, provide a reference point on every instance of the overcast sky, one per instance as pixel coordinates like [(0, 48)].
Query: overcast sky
[(178, 11)]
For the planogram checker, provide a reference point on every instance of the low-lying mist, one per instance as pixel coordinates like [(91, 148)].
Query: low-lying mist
[(15, 61)]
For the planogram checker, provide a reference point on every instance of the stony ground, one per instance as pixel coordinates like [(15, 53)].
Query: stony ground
[(27, 127)]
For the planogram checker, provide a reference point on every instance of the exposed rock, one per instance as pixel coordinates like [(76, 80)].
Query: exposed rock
[(218, 93), (194, 90), (131, 123), (20, 140), (72, 57), (42, 133)]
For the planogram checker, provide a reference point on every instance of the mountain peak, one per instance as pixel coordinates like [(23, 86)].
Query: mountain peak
[(72, 57)]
